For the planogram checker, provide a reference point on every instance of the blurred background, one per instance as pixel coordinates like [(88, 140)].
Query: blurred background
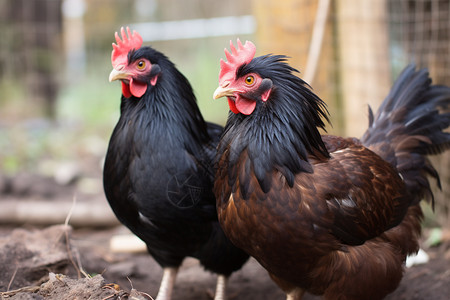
[(57, 108)]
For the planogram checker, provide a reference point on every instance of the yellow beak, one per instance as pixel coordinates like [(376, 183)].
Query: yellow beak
[(118, 75), (223, 92)]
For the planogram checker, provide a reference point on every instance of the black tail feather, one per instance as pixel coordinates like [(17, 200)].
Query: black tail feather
[(409, 125)]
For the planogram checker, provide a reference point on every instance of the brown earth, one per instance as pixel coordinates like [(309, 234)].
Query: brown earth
[(28, 254)]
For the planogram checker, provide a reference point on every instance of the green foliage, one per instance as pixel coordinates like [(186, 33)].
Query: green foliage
[(435, 237), (88, 105), (93, 102), (202, 71), (86, 108)]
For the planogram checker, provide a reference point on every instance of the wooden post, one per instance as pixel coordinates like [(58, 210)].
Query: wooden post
[(364, 59), (285, 27)]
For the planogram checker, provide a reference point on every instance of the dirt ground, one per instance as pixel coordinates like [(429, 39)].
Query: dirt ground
[(33, 257)]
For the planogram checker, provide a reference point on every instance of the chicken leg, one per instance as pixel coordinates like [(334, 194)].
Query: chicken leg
[(167, 284), (295, 294), (221, 287)]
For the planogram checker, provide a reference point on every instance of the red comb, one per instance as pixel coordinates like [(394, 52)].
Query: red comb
[(119, 55), (237, 57)]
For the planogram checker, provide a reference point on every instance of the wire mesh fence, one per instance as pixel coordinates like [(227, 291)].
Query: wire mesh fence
[(420, 34), (30, 49)]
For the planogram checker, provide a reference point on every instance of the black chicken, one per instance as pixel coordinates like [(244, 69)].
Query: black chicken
[(158, 173), (324, 214)]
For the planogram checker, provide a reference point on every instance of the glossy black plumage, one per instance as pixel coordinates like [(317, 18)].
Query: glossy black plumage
[(286, 146), (158, 172)]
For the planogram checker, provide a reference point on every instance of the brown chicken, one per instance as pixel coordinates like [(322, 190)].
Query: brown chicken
[(327, 215)]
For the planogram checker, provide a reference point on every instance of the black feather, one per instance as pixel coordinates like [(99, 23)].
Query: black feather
[(409, 125), (158, 174), (264, 134)]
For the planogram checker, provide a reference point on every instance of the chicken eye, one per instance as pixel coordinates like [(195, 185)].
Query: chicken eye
[(141, 65), (249, 80)]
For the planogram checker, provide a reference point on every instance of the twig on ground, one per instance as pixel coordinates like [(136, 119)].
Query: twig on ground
[(140, 293), (31, 289), (78, 267), (12, 277), (131, 283), (113, 287)]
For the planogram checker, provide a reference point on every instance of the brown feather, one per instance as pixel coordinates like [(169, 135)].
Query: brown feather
[(338, 218), (332, 216)]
